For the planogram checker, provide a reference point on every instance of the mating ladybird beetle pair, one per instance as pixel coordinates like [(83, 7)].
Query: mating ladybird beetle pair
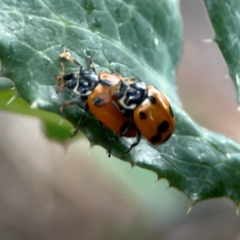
[(94, 90), (125, 105)]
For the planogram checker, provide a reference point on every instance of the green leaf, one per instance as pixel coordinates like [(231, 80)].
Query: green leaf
[(134, 38), (224, 16)]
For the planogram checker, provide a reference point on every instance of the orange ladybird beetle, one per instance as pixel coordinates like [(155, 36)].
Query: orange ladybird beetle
[(94, 90), (149, 108), (101, 105)]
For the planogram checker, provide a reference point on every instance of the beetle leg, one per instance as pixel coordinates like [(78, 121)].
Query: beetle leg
[(138, 139), (66, 104), (67, 55), (109, 150), (75, 130), (89, 56)]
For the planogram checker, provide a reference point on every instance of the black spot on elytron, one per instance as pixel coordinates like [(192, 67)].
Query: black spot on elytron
[(156, 138), (142, 115), (171, 111), (97, 101), (124, 127), (152, 99), (162, 127)]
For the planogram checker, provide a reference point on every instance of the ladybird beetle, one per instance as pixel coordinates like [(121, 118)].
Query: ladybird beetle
[(149, 108), (94, 90), (82, 82), (101, 105)]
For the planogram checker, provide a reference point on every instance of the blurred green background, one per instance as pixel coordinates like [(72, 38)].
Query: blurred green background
[(49, 191)]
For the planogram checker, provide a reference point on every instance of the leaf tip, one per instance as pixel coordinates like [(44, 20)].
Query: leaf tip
[(190, 209), (34, 104), (92, 144), (65, 146), (132, 163), (237, 209), (13, 98), (192, 204), (60, 122), (169, 184), (210, 40), (89, 151), (157, 180)]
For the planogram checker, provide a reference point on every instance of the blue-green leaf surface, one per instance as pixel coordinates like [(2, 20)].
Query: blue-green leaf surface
[(134, 38), (225, 19)]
